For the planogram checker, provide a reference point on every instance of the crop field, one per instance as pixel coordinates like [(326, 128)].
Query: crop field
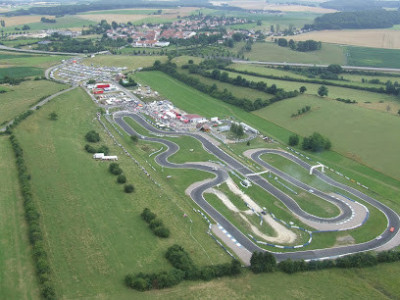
[(131, 62), (268, 51), (376, 38), (17, 276), (260, 5), (103, 236), (19, 98), (239, 92), (365, 99), (20, 72), (353, 130), (375, 57), (8, 59), (67, 22), (351, 79)]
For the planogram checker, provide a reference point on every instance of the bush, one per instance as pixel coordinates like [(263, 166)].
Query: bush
[(92, 136), (115, 169), (103, 149), (262, 262), (294, 140), (161, 231), (121, 179), (155, 223), (147, 215), (316, 143), (90, 149), (129, 188)]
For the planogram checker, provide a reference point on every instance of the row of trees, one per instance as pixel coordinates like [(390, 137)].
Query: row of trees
[(32, 216), (216, 74), (347, 101), (301, 111), (301, 46), (115, 169), (184, 269), (155, 224), (47, 20), (265, 262), (315, 142), (391, 88), (237, 129)]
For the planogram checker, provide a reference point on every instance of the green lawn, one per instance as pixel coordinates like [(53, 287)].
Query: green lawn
[(121, 12), (373, 57), (66, 22), (20, 72), (268, 51), (17, 275), (366, 134), (131, 62), (20, 97), (12, 59), (103, 236)]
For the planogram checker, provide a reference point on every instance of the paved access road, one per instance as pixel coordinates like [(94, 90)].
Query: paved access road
[(197, 194)]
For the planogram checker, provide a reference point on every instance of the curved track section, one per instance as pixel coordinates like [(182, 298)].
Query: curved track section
[(197, 194)]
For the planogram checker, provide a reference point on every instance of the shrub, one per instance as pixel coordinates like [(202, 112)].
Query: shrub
[(147, 215), (103, 149), (155, 223), (262, 262), (162, 232), (294, 140), (129, 188), (115, 169), (121, 179), (92, 136), (90, 148)]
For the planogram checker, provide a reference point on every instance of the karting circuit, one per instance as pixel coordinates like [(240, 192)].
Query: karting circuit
[(352, 214)]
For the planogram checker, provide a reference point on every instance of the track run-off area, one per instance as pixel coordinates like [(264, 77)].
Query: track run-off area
[(352, 213)]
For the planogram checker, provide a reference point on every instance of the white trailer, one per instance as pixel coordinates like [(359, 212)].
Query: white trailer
[(112, 157), (98, 155)]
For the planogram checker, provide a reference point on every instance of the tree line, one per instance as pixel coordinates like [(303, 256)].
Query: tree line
[(364, 19), (301, 46), (315, 142), (155, 224), (391, 88), (32, 217), (184, 269), (265, 262)]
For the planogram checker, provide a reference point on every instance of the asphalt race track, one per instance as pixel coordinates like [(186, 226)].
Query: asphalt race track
[(221, 175)]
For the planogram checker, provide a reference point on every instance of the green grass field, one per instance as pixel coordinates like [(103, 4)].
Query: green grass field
[(268, 51), (121, 12), (373, 57), (131, 62), (103, 236), (66, 22), (9, 59), (20, 72), (17, 275), (365, 99), (368, 135), (20, 97)]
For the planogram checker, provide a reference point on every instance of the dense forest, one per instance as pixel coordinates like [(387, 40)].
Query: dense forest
[(357, 5), (365, 19)]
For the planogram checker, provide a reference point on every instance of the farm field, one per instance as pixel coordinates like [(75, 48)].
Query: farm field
[(17, 274), (131, 62), (376, 38), (365, 99), (104, 237), (260, 5), (268, 51), (375, 57), (8, 59), (352, 79), (239, 92), (354, 131), (66, 22), (19, 98)]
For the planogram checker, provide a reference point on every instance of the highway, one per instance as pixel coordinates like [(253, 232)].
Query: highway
[(221, 175)]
